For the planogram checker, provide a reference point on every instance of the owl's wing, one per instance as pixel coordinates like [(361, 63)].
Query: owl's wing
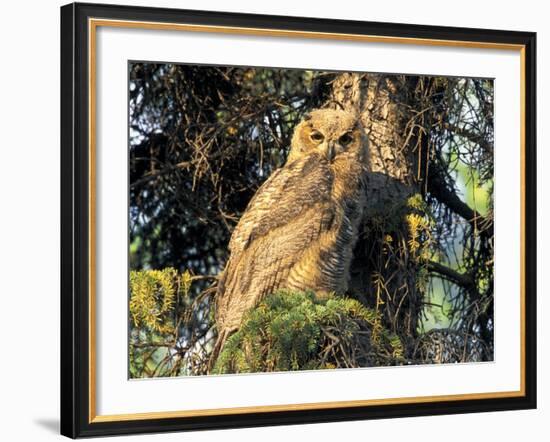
[(287, 192), (284, 217)]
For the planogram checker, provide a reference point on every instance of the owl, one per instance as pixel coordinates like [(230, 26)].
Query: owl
[(299, 229)]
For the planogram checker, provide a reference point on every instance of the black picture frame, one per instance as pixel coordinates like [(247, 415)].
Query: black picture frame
[(76, 402)]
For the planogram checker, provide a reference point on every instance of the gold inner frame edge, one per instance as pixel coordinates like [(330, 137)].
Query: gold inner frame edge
[(93, 24)]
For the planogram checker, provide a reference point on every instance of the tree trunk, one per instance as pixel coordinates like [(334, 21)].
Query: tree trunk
[(385, 271)]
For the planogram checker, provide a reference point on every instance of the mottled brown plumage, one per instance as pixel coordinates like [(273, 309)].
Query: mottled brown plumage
[(300, 227)]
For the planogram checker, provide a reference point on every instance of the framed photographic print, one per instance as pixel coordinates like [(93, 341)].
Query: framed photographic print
[(274, 220)]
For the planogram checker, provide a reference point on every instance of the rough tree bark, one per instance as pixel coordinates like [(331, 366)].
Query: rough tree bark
[(384, 271)]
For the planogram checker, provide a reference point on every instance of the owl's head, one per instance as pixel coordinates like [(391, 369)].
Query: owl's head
[(329, 133)]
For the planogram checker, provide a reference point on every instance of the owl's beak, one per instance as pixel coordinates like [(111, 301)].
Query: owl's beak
[(330, 151)]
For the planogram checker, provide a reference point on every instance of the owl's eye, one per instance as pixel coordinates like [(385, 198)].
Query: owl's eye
[(316, 136), (346, 139)]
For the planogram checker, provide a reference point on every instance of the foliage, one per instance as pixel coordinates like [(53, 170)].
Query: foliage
[(168, 329), (152, 299), (419, 226), (296, 331)]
